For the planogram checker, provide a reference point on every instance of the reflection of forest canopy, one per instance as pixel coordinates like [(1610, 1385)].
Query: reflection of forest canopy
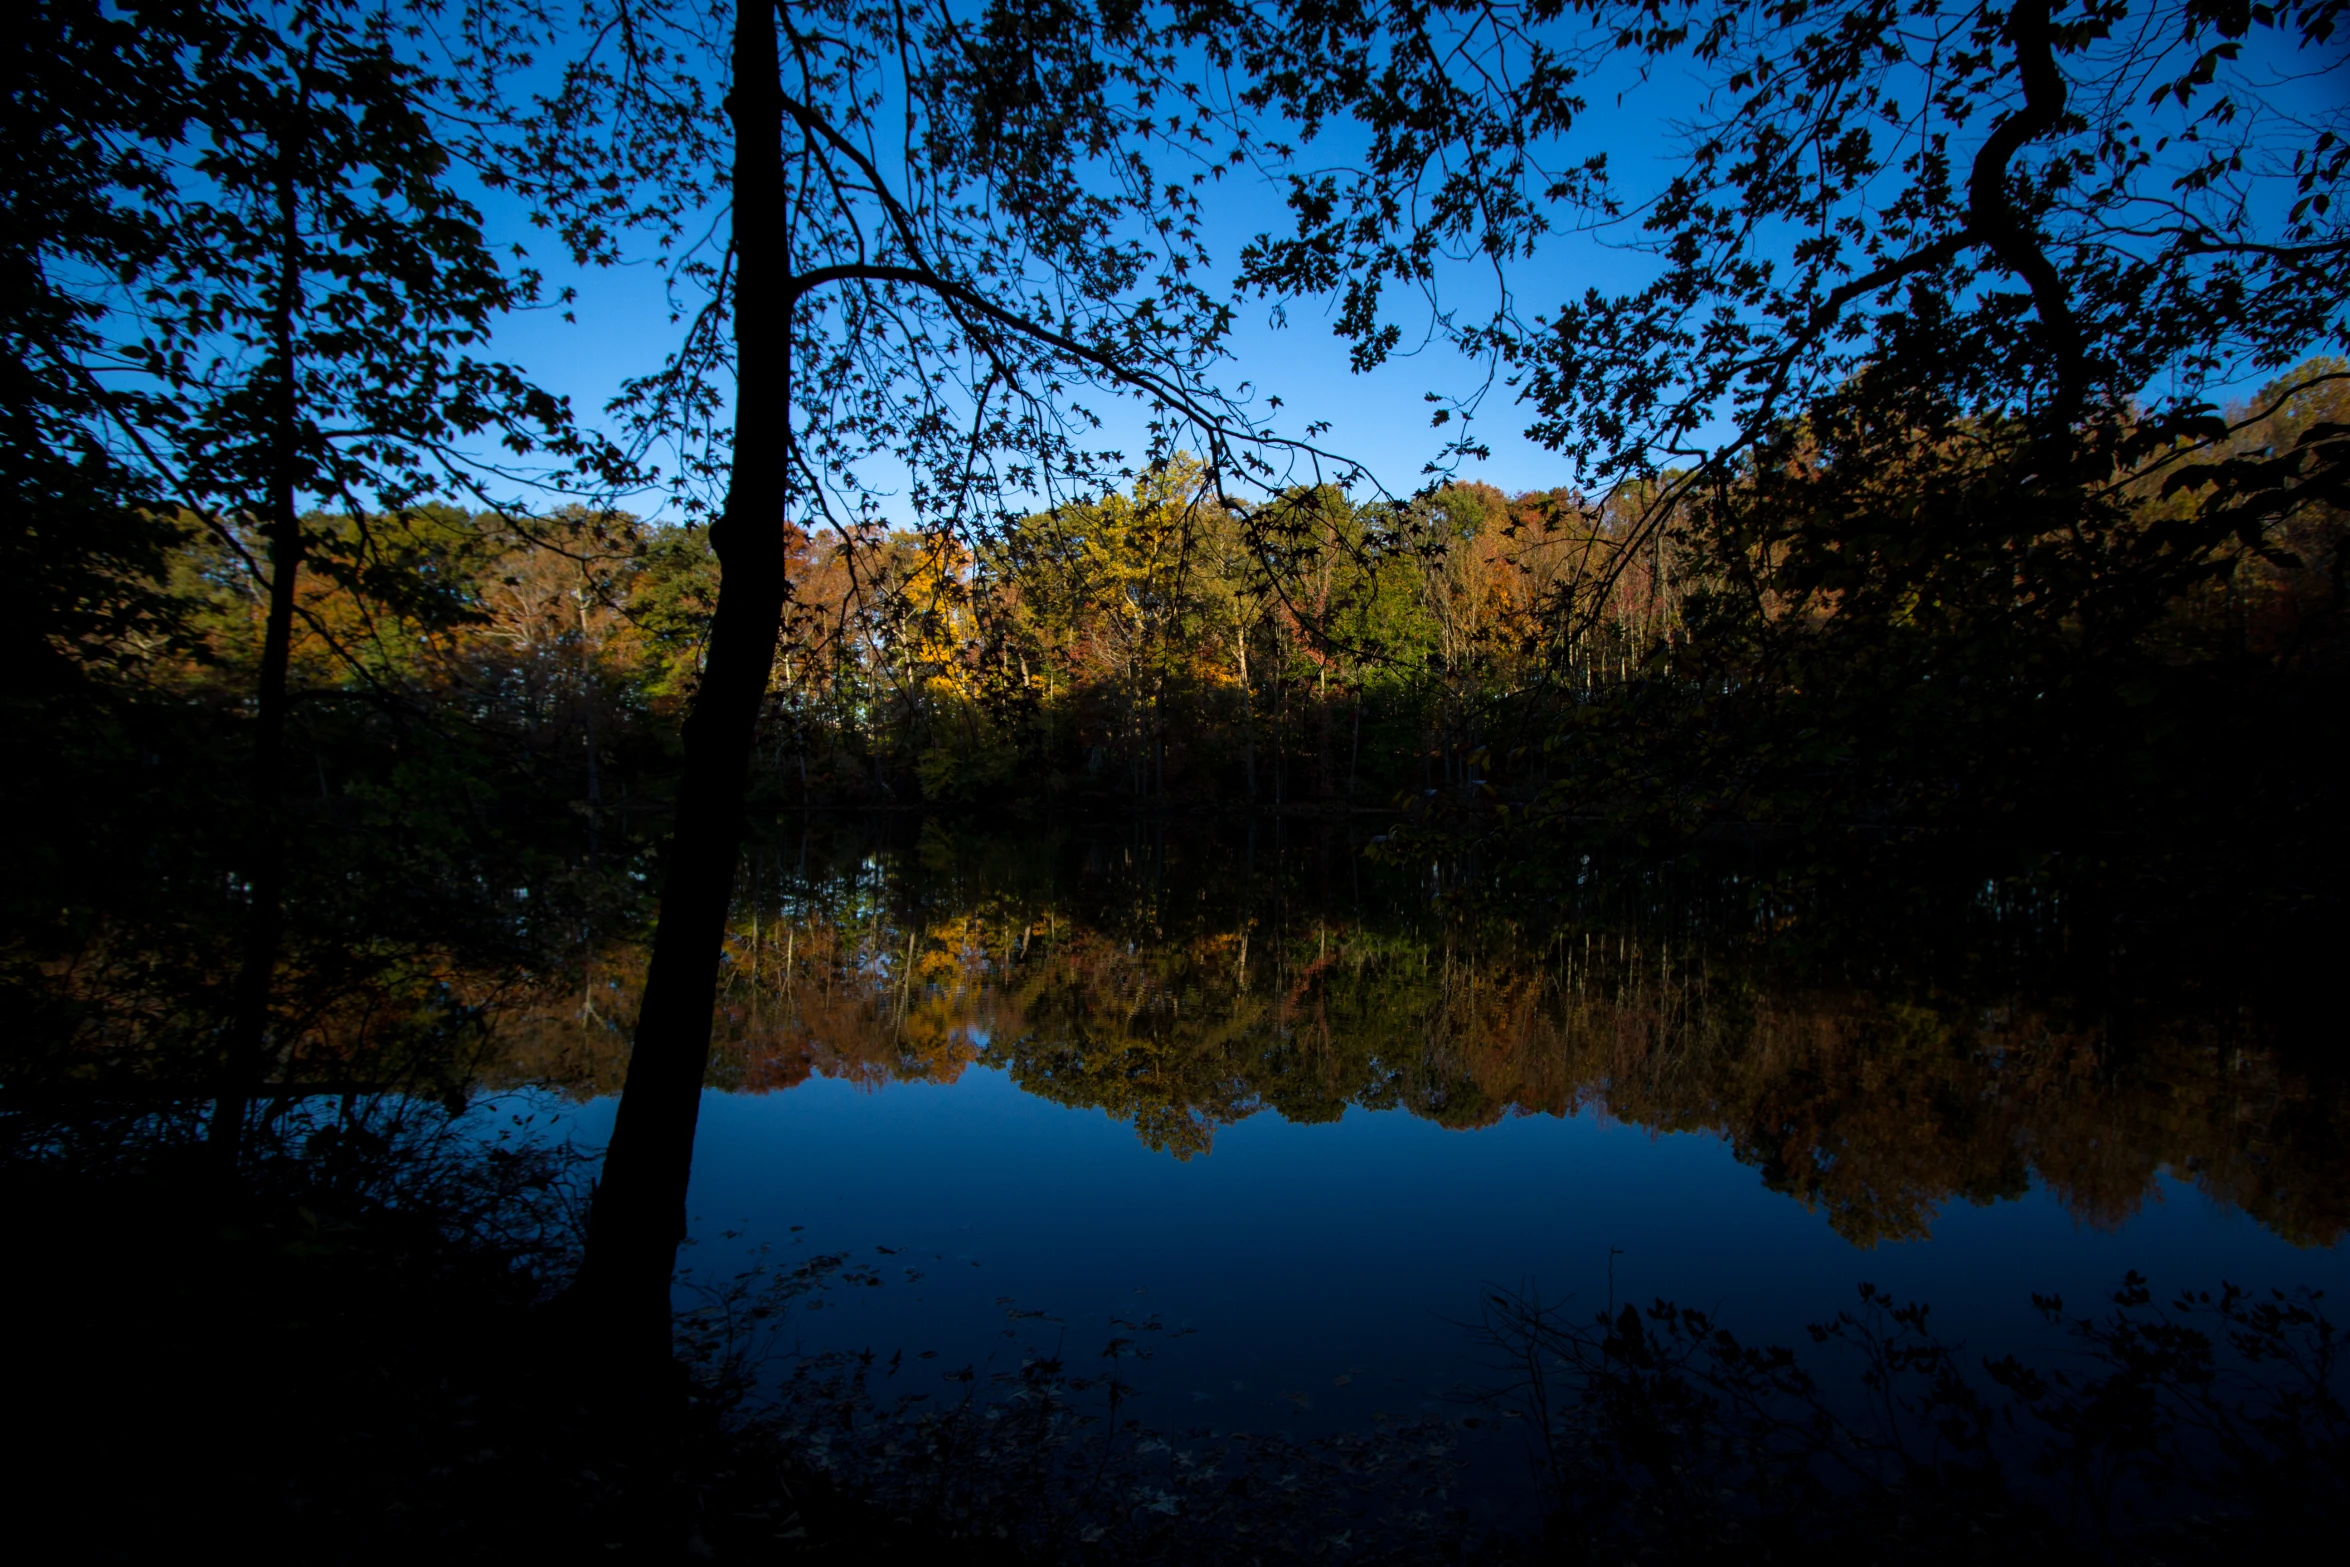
[(1186, 1010)]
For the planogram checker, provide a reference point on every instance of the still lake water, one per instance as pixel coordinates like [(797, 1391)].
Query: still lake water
[(1294, 1108)]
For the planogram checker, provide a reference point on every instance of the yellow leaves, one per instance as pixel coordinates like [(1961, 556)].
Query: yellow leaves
[(1877, 1110)]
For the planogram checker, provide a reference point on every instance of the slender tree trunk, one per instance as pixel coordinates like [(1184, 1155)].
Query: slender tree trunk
[(1354, 755), (1322, 786), (587, 708), (1280, 739), (1248, 715), (1159, 740), (638, 1217), (265, 892)]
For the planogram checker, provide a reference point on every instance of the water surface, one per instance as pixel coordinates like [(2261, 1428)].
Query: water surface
[(1279, 1112)]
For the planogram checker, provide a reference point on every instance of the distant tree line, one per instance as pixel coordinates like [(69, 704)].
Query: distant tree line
[(1467, 652)]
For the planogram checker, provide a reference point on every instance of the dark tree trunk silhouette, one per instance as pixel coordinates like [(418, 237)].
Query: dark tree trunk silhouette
[(638, 1217), (265, 860)]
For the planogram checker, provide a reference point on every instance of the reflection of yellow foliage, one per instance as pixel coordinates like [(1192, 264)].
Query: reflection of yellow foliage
[(1875, 1113)]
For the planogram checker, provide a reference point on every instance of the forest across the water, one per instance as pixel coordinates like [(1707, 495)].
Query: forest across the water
[(1167, 649)]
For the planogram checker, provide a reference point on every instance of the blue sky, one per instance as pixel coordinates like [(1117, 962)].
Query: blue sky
[(1380, 419)]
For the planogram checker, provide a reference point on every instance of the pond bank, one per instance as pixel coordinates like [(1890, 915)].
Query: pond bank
[(276, 1376)]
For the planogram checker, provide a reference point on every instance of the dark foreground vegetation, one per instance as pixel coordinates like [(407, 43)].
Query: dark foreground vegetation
[(323, 1369), (1917, 702)]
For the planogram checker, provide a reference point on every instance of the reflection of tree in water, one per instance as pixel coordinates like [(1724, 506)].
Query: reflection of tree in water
[(1182, 997)]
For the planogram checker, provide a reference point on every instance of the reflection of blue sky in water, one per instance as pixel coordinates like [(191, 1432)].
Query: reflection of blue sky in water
[(1300, 1255)]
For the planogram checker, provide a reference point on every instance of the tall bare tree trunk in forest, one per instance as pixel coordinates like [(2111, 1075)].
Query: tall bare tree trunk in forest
[(638, 1217), (1322, 785), (587, 707), (1248, 715), (1354, 755), (1280, 730), (265, 861)]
